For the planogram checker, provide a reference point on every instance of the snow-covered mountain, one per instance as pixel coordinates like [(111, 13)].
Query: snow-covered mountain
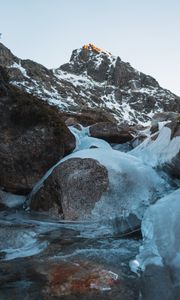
[(92, 81)]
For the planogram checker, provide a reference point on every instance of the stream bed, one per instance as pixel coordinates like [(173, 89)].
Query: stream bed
[(45, 259)]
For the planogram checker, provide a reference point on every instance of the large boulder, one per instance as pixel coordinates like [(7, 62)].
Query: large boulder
[(99, 185), (72, 189), (112, 132), (33, 138)]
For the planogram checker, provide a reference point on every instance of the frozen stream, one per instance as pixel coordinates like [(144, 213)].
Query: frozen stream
[(48, 259)]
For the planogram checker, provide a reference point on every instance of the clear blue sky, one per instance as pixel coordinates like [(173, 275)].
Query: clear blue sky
[(144, 32)]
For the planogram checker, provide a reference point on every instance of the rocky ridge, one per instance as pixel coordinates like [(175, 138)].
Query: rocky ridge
[(93, 82)]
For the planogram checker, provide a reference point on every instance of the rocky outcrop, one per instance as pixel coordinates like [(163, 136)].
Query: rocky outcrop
[(173, 167), (33, 137), (72, 189), (111, 132), (93, 82)]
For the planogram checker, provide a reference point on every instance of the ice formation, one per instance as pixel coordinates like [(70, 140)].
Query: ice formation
[(159, 151), (133, 185), (84, 141), (160, 229), (19, 243)]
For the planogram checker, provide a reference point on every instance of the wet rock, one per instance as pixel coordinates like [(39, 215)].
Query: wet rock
[(111, 132), (82, 277), (46, 279), (86, 280), (33, 137), (157, 283), (72, 189)]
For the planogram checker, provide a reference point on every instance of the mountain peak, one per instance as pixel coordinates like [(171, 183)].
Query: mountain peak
[(94, 48), (93, 80)]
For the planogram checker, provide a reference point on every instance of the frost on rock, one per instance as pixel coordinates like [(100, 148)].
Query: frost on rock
[(160, 151), (132, 185), (160, 229)]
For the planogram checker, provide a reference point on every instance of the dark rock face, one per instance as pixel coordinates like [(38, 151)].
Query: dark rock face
[(123, 73), (111, 133), (94, 82), (6, 57), (72, 189), (32, 138), (173, 167)]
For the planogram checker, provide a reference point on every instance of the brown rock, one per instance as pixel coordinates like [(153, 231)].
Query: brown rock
[(73, 122), (32, 138), (87, 117), (72, 189), (80, 278), (111, 132)]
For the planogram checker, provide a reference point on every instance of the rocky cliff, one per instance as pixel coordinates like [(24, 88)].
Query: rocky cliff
[(92, 82)]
